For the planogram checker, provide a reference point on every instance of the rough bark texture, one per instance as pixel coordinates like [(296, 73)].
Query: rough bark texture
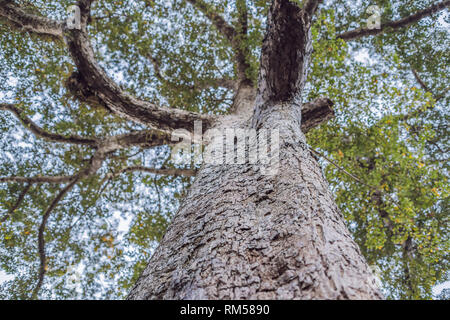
[(240, 233), (285, 53), (243, 234), (25, 22)]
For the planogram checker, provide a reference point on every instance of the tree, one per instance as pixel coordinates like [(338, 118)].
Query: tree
[(267, 228)]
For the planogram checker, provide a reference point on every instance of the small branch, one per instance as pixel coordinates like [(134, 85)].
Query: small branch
[(157, 69), (442, 95), (396, 25), (317, 153), (235, 37), (41, 240), (143, 139), (163, 172), (17, 204), (36, 180), (310, 8), (415, 113), (41, 133), (425, 87), (218, 21), (419, 80), (229, 84)]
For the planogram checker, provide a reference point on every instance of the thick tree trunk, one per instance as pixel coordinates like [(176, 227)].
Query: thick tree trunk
[(243, 234)]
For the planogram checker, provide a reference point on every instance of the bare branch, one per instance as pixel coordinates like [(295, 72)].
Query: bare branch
[(118, 101), (17, 204), (420, 81), (37, 179), (41, 133), (229, 84), (235, 37), (397, 25), (219, 22), (163, 172), (41, 239), (17, 18)]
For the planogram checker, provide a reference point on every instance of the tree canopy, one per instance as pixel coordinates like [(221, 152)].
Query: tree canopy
[(87, 184)]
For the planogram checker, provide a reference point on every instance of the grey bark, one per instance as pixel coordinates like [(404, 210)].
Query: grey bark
[(242, 234)]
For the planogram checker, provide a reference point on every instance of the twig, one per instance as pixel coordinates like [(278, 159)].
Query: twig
[(342, 169), (17, 204), (41, 240)]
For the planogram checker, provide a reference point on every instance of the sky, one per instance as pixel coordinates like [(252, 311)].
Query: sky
[(362, 57)]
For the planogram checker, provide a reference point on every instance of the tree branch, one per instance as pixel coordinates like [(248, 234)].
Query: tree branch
[(41, 133), (118, 101), (319, 154), (235, 37), (163, 172), (143, 139), (218, 21), (37, 179), (442, 95), (17, 204), (239, 43), (94, 79), (41, 239), (17, 18), (425, 87), (316, 112), (229, 84), (396, 25), (310, 8), (419, 80), (285, 53)]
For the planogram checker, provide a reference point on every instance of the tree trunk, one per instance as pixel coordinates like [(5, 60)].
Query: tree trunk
[(244, 234)]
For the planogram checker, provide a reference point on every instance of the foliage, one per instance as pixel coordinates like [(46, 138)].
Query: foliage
[(389, 131)]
